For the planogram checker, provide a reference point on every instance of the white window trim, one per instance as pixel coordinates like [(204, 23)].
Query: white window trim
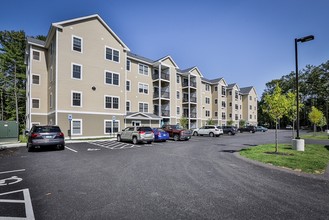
[(51, 99), (129, 106), (112, 102), (39, 60), (148, 104), (80, 99), (34, 74), (106, 120), (81, 73), (111, 84), (80, 127), (148, 90), (129, 85), (112, 54), (74, 36), (148, 69), (32, 102), (129, 65)]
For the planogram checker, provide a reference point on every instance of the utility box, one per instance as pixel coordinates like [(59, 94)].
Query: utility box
[(8, 129)]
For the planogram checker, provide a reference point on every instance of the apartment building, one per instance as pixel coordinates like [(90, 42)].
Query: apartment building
[(86, 80)]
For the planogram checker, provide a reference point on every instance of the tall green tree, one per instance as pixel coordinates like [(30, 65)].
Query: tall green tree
[(275, 105), (12, 76)]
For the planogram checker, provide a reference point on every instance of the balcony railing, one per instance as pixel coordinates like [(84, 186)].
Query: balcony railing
[(191, 115), (192, 99), (165, 113), (164, 76), (165, 95), (192, 84)]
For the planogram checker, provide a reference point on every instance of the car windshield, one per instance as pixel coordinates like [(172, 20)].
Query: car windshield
[(144, 129)]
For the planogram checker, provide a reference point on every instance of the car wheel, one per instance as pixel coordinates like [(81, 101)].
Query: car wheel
[(62, 147), (211, 134), (149, 142), (240, 131), (229, 133), (176, 137), (29, 148), (135, 140), (195, 133), (119, 138)]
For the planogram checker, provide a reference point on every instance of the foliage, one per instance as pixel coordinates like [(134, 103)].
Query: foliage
[(210, 122), (316, 117), (230, 122), (242, 123), (313, 91), (12, 76), (183, 122), (314, 159), (276, 106)]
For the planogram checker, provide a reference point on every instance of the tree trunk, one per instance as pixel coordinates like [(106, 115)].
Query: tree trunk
[(276, 137)]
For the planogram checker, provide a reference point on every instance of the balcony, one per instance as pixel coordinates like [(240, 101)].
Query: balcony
[(186, 84), (163, 75), (192, 99), (191, 115), (165, 113), (164, 94)]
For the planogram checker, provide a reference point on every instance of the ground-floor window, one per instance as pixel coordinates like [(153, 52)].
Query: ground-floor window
[(111, 126), (76, 127)]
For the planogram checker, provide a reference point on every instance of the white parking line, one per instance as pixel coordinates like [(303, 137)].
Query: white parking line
[(12, 171), (71, 149)]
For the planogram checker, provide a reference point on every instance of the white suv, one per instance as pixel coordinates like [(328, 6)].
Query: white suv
[(210, 130)]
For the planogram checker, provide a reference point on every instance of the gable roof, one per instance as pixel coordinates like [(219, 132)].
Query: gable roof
[(141, 116), (139, 58), (247, 90), (168, 57), (230, 86), (60, 24), (190, 70), (36, 42)]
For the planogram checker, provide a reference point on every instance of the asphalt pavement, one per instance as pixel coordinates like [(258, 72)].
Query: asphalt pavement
[(203, 178)]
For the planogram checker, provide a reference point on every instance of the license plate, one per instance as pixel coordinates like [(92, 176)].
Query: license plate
[(48, 136)]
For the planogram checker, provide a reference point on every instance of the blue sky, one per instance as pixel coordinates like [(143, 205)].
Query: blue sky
[(248, 42)]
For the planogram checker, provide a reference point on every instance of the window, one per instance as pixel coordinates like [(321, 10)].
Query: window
[(178, 95), (127, 85), (76, 127), (223, 104), (143, 69), (178, 110), (230, 93), (111, 78), (35, 103), (230, 104), (236, 95), (216, 114), (216, 101), (250, 116), (207, 113), (128, 106), (223, 90), (76, 71), (36, 79), (207, 100), (236, 117), (36, 55), (250, 107), (230, 115), (76, 99), (111, 102), (111, 54), (128, 65), (111, 126), (143, 107), (143, 88), (77, 44), (207, 87), (236, 107), (223, 115), (216, 88), (177, 78), (51, 100), (250, 98)]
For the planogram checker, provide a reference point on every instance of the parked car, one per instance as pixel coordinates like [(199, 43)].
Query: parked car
[(42, 136), (288, 127), (177, 132), (230, 130), (261, 128), (250, 129), (160, 134), (210, 130), (139, 134)]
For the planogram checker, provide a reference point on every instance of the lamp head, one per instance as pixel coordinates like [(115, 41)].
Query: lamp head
[(305, 39)]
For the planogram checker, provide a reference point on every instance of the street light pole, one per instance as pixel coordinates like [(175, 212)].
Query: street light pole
[(303, 39)]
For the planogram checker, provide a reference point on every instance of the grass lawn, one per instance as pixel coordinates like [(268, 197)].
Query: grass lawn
[(313, 160), (316, 136)]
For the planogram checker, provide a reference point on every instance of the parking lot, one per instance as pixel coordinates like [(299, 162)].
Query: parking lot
[(202, 178)]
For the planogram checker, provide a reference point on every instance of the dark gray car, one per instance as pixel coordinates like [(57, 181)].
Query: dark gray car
[(42, 136)]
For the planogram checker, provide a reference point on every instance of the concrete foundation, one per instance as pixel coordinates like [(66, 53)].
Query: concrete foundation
[(298, 144)]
